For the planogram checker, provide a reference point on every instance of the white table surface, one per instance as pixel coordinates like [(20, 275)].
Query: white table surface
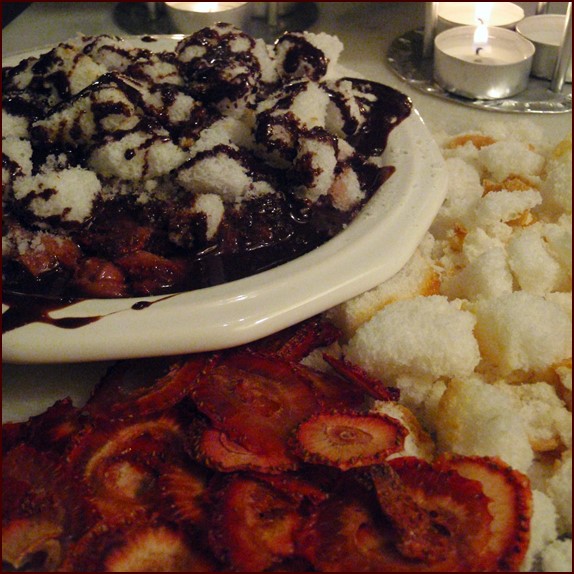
[(366, 29)]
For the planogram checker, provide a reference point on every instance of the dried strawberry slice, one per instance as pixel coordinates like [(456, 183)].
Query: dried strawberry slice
[(295, 343), (55, 252), (296, 486), (510, 504), (256, 400), (482, 503), (120, 463), (97, 277), (216, 450), (138, 545), (459, 503), (362, 379), (347, 440), (420, 535), (13, 434), (54, 428), (347, 533), (183, 494), (14, 491), (51, 430), (42, 511), (32, 544), (252, 524), (150, 274), (351, 532), (145, 386), (48, 483), (331, 391)]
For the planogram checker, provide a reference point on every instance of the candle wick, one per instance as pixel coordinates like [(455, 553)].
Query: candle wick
[(477, 51)]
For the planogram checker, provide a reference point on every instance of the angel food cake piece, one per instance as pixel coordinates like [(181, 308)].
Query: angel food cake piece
[(182, 169), (476, 330)]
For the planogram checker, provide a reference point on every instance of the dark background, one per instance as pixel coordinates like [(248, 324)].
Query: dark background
[(12, 9)]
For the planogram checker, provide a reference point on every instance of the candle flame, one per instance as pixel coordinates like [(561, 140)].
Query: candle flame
[(482, 12), (480, 38)]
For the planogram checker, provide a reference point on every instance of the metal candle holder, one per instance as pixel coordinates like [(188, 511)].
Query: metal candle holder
[(410, 56)]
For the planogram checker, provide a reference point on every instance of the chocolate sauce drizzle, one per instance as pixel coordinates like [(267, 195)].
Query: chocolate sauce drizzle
[(25, 309), (302, 57)]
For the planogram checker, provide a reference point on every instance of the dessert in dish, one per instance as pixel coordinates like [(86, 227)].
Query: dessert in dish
[(129, 172)]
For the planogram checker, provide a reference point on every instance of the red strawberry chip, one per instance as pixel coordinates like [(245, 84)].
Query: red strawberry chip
[(138, 545), (510, 504), (119, 463), (215, 449), (183, 494), (255, 400), (253, 524), (347, 440), (362, 379), (43, 511), (145, 386), (346, 533), (295, 343)]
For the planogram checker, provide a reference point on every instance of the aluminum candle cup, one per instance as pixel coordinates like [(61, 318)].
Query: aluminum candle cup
[(498, 69), (503, 14), (545, 32), (189, 17)]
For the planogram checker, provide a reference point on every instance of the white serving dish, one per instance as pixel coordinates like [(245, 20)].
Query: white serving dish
[(372, 249)]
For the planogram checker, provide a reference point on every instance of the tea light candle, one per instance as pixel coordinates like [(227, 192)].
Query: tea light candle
[(188, 17), (502, 14), (546, 32), (482, 63)]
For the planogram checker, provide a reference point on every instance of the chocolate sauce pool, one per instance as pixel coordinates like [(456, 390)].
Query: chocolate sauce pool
[(214, 267)]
